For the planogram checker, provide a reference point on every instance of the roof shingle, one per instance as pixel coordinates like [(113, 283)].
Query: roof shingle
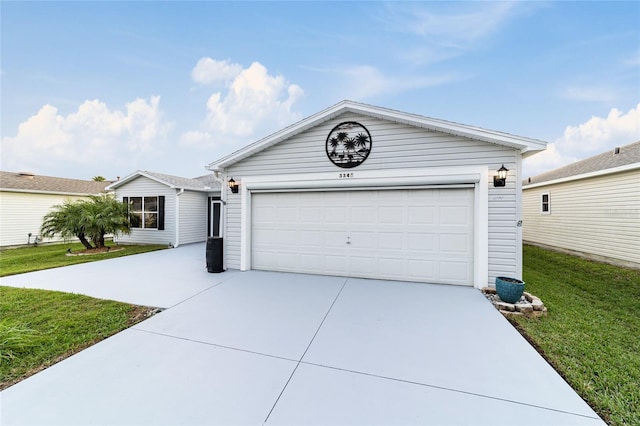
[(628, 154), (28, 182), (202, 183)]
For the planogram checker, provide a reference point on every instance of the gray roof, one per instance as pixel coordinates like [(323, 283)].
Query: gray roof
[(628, 154), (29, 182), (200, 183)]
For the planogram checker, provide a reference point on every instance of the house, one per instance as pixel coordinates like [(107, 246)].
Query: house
[(589, 208), (170, 210), (25, 198), (362, 191)]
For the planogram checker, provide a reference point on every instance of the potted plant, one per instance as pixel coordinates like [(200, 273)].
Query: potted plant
[(509, 289)]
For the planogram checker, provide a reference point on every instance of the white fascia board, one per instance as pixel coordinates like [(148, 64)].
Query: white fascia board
[(518, 142), (524, 145), (126, 179), (135, 175), (36, 191), (604, 172), (139, 173), (274, 138), (363, 179)]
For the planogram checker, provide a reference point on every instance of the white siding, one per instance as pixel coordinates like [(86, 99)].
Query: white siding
[(598, 216), (193, 217), (394, 146), (145, 187), (21, 213)]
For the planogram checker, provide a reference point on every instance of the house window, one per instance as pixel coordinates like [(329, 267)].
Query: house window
[(545, 204), (146, 212)]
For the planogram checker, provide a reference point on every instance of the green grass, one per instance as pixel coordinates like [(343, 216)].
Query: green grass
[(35, 258), (39, 328), (591, 334)]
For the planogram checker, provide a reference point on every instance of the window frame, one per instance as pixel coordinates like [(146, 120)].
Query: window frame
[(158, 211), (546, 203)]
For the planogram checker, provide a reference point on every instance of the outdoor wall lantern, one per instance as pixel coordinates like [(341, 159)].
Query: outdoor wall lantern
[(233, 185), (501, 178)]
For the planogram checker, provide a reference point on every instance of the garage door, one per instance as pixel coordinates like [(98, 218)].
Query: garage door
[(423, 235)]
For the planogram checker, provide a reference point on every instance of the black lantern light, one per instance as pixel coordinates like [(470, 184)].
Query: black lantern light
[(233, 185), (501, 178)]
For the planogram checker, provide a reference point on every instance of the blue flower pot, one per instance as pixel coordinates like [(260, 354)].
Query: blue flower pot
[(509, 289)]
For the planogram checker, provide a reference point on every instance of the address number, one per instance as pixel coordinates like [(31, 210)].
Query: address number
[(345, 175)]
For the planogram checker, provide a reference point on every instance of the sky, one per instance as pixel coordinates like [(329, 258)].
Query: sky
[(107, 88)]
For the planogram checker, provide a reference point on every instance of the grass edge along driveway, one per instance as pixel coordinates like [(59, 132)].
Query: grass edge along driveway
[(39, 328), (591, 334), (36, 258)]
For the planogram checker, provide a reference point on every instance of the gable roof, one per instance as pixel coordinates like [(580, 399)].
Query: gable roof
[(204, 183), (607, 162), (526, 145), (29, 182)]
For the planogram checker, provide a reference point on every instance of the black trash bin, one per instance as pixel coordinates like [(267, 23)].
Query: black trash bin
[(214, 254)]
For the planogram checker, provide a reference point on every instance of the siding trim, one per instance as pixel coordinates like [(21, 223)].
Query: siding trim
[(519, 218), (585, 176), (390, 178), (178, 193), (38, 191)]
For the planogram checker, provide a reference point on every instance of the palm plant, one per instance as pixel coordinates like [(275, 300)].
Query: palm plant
[(67, 221), (88, 220)]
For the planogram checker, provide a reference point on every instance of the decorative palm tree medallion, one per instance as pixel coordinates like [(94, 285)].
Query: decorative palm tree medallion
[(348, 144)]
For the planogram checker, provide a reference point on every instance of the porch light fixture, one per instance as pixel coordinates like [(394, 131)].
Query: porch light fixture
[(501, 178), (233, 185)]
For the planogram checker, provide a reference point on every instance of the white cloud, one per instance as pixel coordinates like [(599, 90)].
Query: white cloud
[(210, 71), (447, 30), (595, 136), (361, 82), (633, 60), (457, 27), (255, 104), (92, 138), (590, 94)]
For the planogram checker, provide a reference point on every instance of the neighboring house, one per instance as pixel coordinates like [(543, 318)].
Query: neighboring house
[(590, 208), (25, 198), (363, 191), (169, 210)]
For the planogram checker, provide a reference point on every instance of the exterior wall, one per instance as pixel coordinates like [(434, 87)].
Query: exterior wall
[(597, 216), (21, 213), (142, 187), (394, 146), (192, 217)]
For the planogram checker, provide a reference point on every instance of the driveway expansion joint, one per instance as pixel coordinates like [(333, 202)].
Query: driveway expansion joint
[(170, 336), (394, 379), (199, 293), (305, 351)]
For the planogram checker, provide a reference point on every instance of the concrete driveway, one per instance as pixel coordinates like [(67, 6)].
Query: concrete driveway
[(274, 348)]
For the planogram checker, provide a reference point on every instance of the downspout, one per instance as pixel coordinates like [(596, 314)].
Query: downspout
[(177, 221)]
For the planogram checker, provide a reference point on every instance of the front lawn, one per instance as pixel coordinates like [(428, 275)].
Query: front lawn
[(35, 258), (39, 328), (591, 334)]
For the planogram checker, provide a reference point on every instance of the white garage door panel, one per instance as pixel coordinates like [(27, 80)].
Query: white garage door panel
[(421, 235)]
